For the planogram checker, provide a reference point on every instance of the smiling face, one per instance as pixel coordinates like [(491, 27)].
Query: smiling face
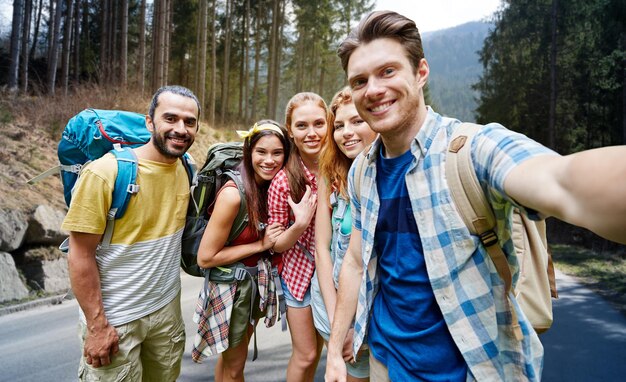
[(307, 129), (387, 91), (174, 126), (268, 156), (351, 133)]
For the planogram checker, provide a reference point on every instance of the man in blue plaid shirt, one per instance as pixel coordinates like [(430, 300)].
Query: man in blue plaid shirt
[(422, 291)]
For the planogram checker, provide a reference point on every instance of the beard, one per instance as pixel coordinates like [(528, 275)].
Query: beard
[(160, 142)]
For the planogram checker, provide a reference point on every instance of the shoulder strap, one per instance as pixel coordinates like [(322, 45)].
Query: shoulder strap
[(360, 165), (190, 166), (125, 186), (241, 220), (472, 204)]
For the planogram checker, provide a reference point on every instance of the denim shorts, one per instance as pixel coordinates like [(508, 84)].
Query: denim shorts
[(291, 301)]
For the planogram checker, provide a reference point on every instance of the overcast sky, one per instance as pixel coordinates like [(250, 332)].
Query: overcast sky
[(431, 15)]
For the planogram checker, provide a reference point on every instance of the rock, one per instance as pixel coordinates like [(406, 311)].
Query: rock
[(46, 269), (11, 287), (44, 226), (13, 225)]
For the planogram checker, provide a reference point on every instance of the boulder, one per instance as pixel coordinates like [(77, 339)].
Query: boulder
[(44, 226), (11, 287), (13, 225), (46, 269)]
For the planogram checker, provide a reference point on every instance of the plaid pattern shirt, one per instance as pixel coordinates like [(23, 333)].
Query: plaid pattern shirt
[(297, 267), (465, 282), (214, 308)]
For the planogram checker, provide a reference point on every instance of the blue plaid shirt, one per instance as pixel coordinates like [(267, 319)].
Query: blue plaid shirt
[(465, 282)]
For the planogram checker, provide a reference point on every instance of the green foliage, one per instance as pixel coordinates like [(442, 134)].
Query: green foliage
[(515, 88)]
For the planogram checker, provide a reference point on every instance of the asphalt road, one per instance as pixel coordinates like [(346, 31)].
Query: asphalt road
[(586, 343)]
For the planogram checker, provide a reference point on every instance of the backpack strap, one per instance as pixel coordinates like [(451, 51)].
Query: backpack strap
[(125, 186), (472, 204), (360, 163), (241, 220)]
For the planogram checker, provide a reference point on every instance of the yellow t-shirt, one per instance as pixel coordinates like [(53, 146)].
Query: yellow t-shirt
[(139, 272)]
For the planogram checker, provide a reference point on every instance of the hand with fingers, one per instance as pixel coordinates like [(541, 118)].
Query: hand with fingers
[(271, 234), (304, 210), (101, 344)]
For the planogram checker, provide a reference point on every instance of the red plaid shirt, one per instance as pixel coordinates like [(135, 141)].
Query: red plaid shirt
[(297, 269)]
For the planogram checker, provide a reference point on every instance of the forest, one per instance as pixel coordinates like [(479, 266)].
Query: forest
[(552, 69)]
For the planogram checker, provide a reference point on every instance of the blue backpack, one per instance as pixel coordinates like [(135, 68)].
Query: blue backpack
[(91, 134)]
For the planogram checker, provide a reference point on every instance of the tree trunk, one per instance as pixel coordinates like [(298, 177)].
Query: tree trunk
[(54, 51), (142, 48), (168, 38), (277, 57), (226, 67), (124, 45), (76, 39), (65, 51), (213, 92), (246, 77), (553, 84), (273, 57), (243, 67), (114, 59), (202, 51), (16, 31), (155, 44), (104, 43), (31, 55), (28, 7), (257, 58), (51, 10)]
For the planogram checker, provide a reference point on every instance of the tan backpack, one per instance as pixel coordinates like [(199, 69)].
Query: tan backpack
[(536, 283)]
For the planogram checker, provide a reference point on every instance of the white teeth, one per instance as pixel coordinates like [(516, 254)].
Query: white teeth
[(351, 143), (381, 107)]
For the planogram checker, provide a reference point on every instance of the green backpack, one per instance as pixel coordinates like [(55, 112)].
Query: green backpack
[(220, 167)]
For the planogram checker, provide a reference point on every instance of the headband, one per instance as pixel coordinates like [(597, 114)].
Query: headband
[(258, 128)]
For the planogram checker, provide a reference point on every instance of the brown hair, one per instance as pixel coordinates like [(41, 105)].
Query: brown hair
[(384, 24), (256, 195), (295, 173), (334, 164)]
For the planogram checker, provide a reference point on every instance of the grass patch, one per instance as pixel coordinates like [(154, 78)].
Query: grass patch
[(605, 273)]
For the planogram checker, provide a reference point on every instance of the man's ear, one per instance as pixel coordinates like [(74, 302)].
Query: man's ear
[(423, 70), (149, 124)]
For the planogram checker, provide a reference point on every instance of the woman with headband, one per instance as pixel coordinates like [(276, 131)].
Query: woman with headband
[(265, 151)]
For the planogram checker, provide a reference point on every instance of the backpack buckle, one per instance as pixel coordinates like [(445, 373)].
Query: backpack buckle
[(132, 188), (240, 273), (488, 238)]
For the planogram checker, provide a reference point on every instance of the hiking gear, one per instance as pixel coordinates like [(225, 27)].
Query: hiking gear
[(88, 136), (257, 128), (219, 167), (536, 282)]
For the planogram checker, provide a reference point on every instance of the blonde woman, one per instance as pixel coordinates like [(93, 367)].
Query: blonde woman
[(348, 134), (292, 201)]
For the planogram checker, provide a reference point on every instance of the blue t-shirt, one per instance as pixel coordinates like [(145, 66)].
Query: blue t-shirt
[(407, 331)]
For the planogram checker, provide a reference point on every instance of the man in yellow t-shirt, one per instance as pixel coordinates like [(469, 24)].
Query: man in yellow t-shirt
[(129, 293)]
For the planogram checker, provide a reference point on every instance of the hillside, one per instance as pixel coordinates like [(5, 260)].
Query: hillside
[(454, 67), (30, 128)]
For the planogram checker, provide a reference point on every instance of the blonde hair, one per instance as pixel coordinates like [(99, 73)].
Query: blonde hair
[(295, 173), (334, 164)]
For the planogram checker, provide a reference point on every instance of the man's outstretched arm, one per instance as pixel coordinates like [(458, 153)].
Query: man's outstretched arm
[(587, 189)]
